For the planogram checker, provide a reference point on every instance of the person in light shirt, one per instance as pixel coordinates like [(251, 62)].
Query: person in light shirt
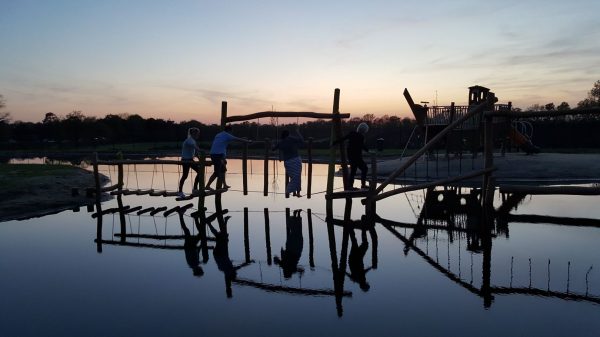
[(189, 149), (218, 153)]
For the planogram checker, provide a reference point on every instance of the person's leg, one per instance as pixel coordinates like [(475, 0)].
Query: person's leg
[(197, 178), (353, 168), (216, 163), (363, 173), (184, 175), (212, 178), (224, 168)]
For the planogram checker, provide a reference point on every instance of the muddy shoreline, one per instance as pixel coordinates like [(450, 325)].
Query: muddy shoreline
[(29, 196)]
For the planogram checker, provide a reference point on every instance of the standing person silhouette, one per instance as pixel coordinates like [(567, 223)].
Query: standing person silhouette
[(294, 243), (288, 148), (191, 248), (189, 149), (356, 145), (218, 153)]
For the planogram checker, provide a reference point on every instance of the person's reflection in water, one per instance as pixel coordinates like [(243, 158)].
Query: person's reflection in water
[(221, 255), (293, 245), (358, 273), (191, 248)]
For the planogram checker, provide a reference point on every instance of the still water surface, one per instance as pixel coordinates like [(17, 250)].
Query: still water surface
[(279, 272)]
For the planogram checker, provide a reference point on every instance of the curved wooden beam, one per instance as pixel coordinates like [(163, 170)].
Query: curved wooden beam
[(283, 114)]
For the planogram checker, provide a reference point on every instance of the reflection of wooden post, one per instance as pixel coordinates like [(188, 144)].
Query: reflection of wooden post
[(487, 196), (99, 231), (266, 167), (310, 159), (246, 236), (223, 115), (311, 245), (96, 176), (268, 237), (245, 168), (122, 221)]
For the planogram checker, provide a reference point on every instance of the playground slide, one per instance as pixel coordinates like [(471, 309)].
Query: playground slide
[(522, 141)]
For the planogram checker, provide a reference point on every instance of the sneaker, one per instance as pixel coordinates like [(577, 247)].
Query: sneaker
[(181, 195), (226, 186)]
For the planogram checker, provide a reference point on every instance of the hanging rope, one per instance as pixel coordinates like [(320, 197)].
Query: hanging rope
[(136, 176), (163, 174), (152, 180)]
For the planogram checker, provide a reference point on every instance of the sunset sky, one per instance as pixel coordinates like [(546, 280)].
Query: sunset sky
[(179, 59)]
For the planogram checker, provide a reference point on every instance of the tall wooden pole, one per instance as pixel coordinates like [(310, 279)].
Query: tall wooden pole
[(200, 179), (266, 167), (96, 177), (371, 206), (223, 114), (245, 168), (332, 152), (310, 162), (337, 128)]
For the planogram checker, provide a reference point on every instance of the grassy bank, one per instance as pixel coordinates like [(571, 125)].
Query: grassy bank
[(31, 189)]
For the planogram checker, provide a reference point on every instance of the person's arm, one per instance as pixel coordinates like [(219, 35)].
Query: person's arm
[(232, 137), (340, 140), (299, 137)]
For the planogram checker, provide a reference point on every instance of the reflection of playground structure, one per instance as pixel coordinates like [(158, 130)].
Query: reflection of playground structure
[(460, 217), (451, 217), (203, 232)]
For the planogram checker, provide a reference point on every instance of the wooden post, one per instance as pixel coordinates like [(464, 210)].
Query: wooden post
[(286, 182), (310, 160), (448, 138), (337, 128), (372, 204), (120, 180), (245, 168), (331, 167), (266, 167), (223, 115), (200, 179), (96, 176)]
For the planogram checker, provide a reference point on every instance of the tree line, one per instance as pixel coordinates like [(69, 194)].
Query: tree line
[(76, 129)]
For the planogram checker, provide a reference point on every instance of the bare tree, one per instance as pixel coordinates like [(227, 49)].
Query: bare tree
[(4, 116)]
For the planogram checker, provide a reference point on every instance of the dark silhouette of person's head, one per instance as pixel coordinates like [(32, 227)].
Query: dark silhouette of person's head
[(193, 132), (284, 134)]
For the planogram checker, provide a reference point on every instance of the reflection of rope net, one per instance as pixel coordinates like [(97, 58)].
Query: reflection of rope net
[(449, 262)]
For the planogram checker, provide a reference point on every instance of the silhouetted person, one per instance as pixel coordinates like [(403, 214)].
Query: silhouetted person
[(191, 248), (288, 148), (218, 153), (358, 272), (354, 149), (293, 245), (221, 255), (189, 149)]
